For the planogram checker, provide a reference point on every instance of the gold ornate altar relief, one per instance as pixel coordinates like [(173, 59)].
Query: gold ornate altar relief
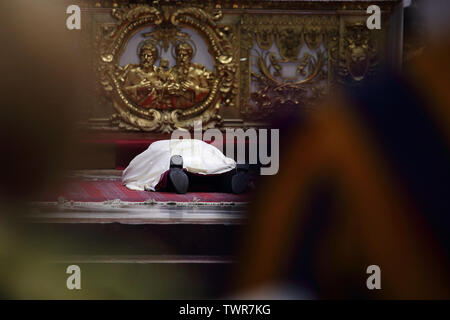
[(312, 66), (161, 98), (319, 51), (267, 57), (181, 87)]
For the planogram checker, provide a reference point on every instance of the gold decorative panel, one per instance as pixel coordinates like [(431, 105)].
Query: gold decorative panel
[(266, 57), (359, 56), (157, 98)]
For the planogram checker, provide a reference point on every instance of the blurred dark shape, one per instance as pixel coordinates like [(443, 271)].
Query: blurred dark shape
[(366, 181), (43, 86), (414, 33), (46, 81)]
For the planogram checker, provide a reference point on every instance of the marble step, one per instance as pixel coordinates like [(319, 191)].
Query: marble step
[(94, 230), (136, 213)]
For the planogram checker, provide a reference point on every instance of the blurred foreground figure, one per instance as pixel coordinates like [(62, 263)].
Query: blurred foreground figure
[(41, 91), (46, 81), (366, 182)]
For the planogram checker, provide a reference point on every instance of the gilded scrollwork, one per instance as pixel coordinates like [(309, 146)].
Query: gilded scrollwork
[(161, 98), (266, 56), (320, 51), (273, 89)]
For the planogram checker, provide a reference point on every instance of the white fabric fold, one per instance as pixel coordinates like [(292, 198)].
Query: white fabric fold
[(145, 170)]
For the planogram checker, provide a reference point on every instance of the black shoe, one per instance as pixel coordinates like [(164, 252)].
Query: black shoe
[(241, 179), (177, 177)]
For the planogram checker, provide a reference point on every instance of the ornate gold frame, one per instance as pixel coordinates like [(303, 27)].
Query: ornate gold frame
[(133, 18)]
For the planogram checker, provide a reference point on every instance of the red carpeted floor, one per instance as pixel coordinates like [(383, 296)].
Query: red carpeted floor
[(99, 191)]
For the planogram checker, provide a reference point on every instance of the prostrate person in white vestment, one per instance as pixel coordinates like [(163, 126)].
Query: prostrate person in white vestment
[(169, 162)]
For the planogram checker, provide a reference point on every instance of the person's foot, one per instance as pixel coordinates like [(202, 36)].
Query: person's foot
[(241, 179), (177, 177)]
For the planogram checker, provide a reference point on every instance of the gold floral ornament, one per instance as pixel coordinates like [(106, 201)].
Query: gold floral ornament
[(148, 97)]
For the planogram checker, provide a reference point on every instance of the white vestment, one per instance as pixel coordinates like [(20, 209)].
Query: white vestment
[(145, 170)]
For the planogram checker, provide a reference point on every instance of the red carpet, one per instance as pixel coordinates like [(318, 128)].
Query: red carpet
[(99, 191)]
